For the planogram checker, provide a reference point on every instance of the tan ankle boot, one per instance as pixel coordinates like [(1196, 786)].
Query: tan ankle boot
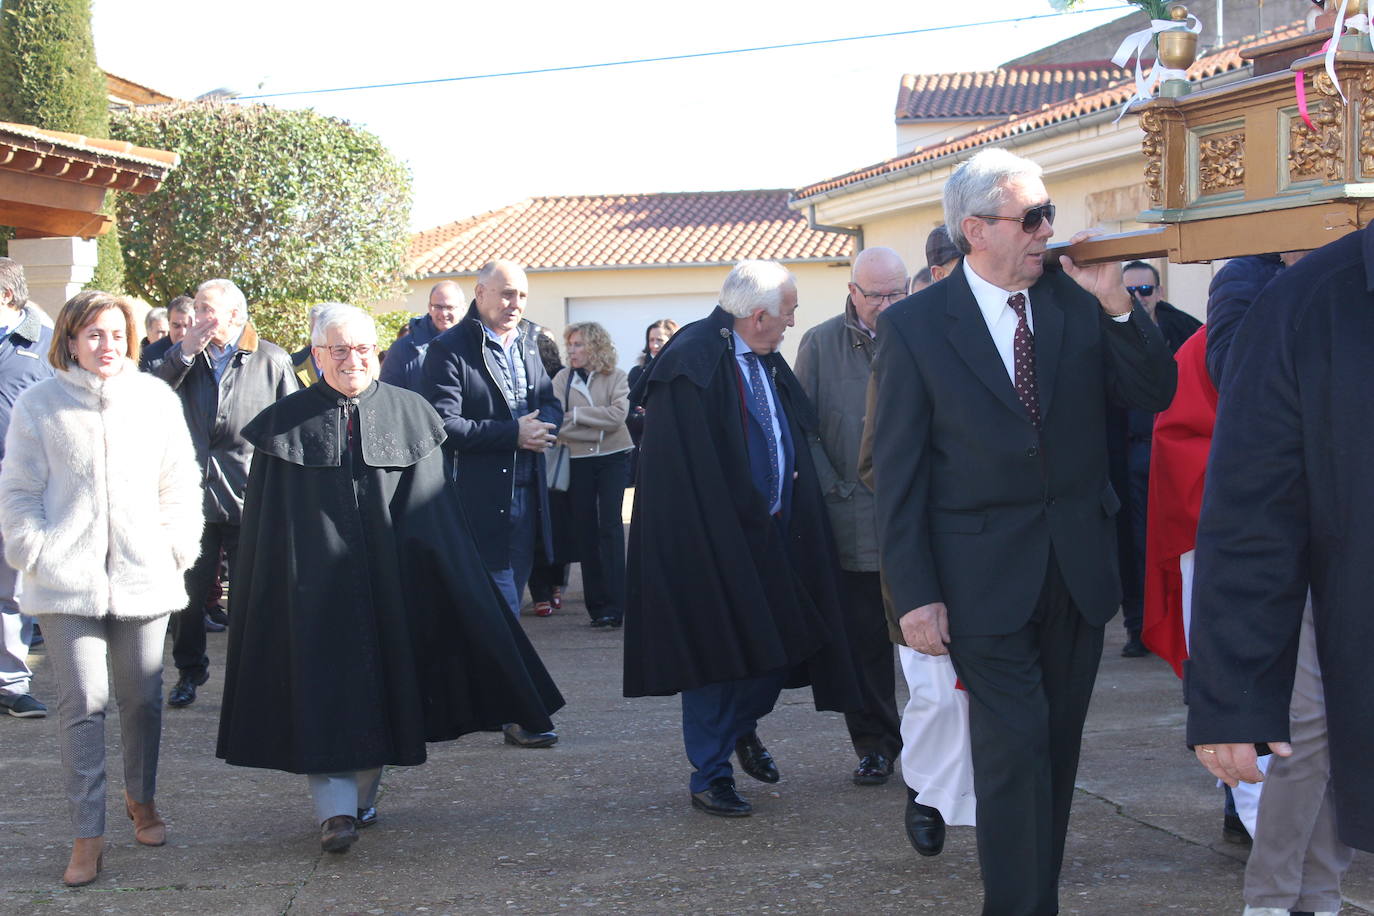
[(87, 854), (149, 829)]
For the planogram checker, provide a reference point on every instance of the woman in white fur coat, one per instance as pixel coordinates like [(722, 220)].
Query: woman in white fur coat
[(100, 506)]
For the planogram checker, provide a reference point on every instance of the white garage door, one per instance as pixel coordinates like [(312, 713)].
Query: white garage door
[(626, 317)]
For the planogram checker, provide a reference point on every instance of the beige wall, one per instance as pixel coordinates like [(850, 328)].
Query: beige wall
[(821, 290)]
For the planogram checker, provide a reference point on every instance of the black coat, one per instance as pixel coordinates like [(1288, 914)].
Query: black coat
[(715, 593), (362, 621), (970, 499), (1287, 506), (483, 436)]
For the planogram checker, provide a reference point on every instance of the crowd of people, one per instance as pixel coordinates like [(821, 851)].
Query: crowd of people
[(962, 465)]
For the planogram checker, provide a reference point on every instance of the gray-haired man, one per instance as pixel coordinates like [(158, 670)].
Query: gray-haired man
[(225, 376)]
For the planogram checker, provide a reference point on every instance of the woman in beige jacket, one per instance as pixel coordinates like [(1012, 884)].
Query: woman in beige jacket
[(596, 400)]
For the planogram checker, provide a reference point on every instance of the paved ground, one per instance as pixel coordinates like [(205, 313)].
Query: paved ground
[(601, 823)]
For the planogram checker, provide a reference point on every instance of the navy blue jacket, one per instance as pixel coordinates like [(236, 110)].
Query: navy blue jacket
[(1230, 296), (483, 436), (151, 356), (406, 358), (1287, 507), (23, 361)]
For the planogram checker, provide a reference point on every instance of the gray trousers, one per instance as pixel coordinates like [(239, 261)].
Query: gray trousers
[(15, 632), (1297, 860), (343, 793), (86, 653)]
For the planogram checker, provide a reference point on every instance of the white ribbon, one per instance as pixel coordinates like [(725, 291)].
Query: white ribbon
[(1134, 44), (1358, 22)]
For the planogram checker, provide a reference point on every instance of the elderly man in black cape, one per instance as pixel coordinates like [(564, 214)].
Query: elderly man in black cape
[(732, 569), (364, 623)]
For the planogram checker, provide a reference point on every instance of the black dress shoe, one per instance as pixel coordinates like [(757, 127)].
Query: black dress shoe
[(184, 693), (606, 622), (873, 770), (523, 737), (1233, 830), (925, 827), (754, 758), (367, 817), (721, 799), (338, 833), (1134, 648)]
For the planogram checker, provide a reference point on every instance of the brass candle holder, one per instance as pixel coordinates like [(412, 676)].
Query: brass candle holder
[(1177, 50)]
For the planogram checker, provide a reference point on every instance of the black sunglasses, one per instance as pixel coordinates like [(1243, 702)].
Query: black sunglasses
[(1145, 289), (1032, 218)]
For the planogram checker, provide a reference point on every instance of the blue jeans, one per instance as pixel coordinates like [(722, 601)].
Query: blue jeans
[(512, 579)]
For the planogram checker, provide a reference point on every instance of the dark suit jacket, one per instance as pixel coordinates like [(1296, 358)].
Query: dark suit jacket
[(1287, 508), (970, 499), (483, 437)]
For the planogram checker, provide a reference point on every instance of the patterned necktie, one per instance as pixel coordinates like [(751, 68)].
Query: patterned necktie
[(765, 417), (1023, 361)]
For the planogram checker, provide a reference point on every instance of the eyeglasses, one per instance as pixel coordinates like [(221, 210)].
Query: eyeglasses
[(1031, 219), (1145, 289), (340, 353), (881, 297)]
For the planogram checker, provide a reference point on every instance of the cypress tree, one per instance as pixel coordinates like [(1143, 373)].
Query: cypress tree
[(49, 78)]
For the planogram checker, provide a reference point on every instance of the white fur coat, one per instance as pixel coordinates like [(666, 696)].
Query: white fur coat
[(100, 495)]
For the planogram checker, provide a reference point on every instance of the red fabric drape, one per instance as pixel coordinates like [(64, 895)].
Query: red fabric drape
[(1178, 466)]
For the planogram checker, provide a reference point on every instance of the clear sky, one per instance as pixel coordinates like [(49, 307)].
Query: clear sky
[(776, 118)]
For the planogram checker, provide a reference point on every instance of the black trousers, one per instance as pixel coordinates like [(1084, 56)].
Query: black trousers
[(877, 728), (1028, 697), (1137, 511), (188, 624), (597, 495)]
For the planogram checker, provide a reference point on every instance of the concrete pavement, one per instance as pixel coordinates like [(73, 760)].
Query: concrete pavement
[(601, 823)]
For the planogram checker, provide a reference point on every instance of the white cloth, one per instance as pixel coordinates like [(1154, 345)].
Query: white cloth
[(937, 760), (100, 495)]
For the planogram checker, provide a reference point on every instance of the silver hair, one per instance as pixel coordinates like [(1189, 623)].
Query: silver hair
[(12, 279), (489, 269), (229, 291), (754, 285), (158, 314), (978, 187), (337, 315)]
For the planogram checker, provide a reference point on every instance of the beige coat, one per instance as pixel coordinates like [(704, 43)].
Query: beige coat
[(594, 412)]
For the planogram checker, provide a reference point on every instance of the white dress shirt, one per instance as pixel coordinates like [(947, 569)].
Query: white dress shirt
[(741, 348)]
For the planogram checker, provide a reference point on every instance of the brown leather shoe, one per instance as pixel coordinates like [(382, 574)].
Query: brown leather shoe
[(88, 854), (338, 833), (149, 828)]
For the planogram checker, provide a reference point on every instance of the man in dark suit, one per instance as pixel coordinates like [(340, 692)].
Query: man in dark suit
[(1285, 511), (995, 517), (487, 383)]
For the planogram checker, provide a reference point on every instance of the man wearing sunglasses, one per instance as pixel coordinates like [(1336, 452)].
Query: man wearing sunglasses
[(1128, 449), (995, 515)]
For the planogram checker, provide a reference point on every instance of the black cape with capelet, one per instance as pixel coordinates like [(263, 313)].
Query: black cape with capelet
[(715, 593), (362, 621)]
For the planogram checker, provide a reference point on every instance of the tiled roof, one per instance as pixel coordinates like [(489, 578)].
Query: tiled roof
[(1224, 60), (1005, 91), (627, 230), (59, 149)]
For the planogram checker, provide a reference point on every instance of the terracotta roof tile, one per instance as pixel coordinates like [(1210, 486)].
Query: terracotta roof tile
[(1224, 60), (629, 230), (1005, 91)]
